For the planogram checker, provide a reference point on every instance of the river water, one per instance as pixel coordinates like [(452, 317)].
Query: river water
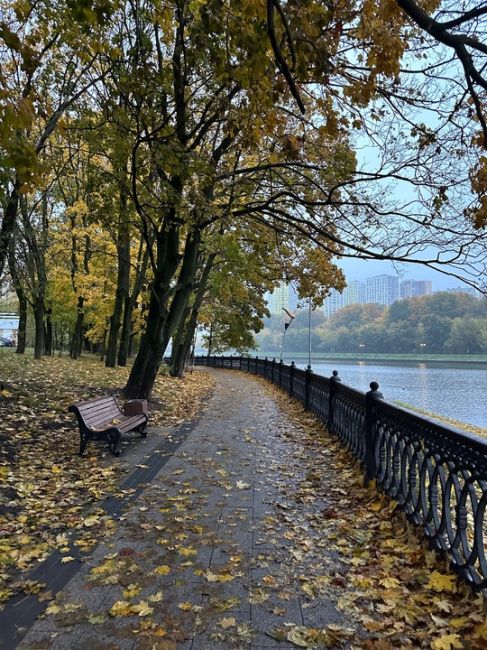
[(458, 392)]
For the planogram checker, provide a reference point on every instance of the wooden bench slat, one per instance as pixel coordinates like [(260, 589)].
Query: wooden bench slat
[(107, 406)]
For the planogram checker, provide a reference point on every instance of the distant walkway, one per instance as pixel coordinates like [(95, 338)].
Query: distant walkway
[(244, 539)]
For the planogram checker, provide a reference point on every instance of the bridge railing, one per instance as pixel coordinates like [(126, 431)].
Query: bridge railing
[(436, 473)]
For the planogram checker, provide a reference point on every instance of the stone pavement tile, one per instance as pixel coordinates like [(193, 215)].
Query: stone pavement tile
[(274, 613), (320, 612)]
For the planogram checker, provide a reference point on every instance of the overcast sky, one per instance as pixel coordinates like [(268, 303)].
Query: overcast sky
[(363, 269)]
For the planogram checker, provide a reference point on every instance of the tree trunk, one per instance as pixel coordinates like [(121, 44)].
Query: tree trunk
[(77, 340), (182, 343), (39, 339), (48, 333), (8, 224), (128, 312), (149, 357), (123, 280), (22, 298), (22, 331), (210, 340), (146, 364)]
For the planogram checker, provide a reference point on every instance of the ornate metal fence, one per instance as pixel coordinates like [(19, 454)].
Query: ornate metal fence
[(437, 474)]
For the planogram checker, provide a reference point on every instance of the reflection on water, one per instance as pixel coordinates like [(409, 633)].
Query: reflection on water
[(457, 392)]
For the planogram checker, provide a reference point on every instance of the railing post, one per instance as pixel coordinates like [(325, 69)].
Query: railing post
[(307, 381), (371, 398), (265, 368), (273, 369), (240, 362), (256, 364), (231, 362), (280, 373), (334, 379), (291, 378)]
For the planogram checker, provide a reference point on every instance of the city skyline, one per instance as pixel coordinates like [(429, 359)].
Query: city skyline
[(383, 289)]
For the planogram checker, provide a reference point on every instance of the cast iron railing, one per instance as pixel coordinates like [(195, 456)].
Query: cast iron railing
[(437, 474)]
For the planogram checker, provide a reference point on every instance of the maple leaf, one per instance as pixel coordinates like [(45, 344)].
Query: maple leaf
[(121, 608), (225, 623), (447, 642), (441, 582)]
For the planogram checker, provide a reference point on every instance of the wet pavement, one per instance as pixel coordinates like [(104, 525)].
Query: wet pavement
[(237, 542)]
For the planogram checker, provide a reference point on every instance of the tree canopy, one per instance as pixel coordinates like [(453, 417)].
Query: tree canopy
[(165, 163)]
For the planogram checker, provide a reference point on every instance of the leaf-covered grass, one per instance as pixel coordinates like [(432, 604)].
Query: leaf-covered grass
[(45, 487)]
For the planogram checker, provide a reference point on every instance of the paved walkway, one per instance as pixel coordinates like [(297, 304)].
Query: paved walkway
[(226, 548)]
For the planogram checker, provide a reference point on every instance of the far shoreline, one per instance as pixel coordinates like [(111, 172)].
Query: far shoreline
[(438, 360)]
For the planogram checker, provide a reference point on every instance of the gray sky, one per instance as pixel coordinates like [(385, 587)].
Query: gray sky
[(363, 269)]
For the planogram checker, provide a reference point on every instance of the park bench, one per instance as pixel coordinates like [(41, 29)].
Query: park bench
[(102, 419)]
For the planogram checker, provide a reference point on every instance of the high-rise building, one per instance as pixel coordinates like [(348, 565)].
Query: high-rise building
[(293, 300), (382, 289), (353, 294), (278, 300), (333, 303), (413, 288)]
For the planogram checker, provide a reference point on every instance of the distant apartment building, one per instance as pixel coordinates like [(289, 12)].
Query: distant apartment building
[(278, 300), (353, 294), (413, 288), (382, 290)]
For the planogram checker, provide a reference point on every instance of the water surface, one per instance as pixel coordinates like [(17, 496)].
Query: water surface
[(457, 392)]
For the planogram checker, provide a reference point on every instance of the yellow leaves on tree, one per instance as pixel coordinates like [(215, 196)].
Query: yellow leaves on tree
[(479, 186)]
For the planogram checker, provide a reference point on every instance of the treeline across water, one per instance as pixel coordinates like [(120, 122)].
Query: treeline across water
[(450, 323)]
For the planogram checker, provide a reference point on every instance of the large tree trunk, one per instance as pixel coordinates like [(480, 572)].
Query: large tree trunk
[(148, 359), (146, 364), (39, 338), (162, 323), (77, 340)]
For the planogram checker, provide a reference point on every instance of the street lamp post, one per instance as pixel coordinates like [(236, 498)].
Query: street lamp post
[(286, 325)]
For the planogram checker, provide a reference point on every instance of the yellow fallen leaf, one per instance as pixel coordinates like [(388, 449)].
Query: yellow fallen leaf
[(441, 582), (225, 623), (67, 558), (162, 570), (142, 609), (187, 552), (120, 608), (447, 642), (186, 606), (156, 598)]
